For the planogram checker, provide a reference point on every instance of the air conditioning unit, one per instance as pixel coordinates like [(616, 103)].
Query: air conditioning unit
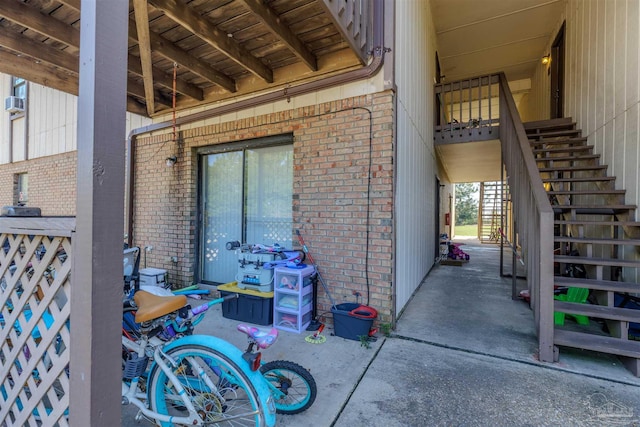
[(13, 104)]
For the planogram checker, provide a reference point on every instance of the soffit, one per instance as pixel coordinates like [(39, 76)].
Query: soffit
[(478, 37)]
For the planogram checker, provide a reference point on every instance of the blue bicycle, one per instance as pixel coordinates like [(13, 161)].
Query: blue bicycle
[(291, 388)]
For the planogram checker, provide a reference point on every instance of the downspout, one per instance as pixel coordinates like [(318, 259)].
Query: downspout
[(348, 77)]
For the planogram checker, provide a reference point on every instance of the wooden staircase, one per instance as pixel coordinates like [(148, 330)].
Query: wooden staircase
[(592, 218), (491, 211)]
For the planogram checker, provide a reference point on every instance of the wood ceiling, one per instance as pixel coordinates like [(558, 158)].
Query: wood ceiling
[(217, 49)]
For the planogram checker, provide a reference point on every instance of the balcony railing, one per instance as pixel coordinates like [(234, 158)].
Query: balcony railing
[(467, 110)]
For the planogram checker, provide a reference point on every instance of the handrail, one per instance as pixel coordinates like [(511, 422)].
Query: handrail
[(464, 113), (533, 217)]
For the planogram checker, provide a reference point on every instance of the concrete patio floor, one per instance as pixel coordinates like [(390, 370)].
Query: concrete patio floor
[(463, 354)]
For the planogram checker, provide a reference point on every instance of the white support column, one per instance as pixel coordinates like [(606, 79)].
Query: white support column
[(96, 293)]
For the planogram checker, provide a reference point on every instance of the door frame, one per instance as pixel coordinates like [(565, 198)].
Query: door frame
[(556, 71), (201, 152)]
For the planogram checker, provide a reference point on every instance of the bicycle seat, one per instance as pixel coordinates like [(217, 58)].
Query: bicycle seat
[(263, 338), (153, 306)]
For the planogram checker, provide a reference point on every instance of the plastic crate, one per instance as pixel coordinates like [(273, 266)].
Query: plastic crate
[(251, 306)]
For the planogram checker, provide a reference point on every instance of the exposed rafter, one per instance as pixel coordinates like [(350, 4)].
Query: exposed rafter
[(41, 73), (29, 17), (275, 25), (173, 53), (222, 49), (164, 79), (213, 36), (39, 51), (144, 46)]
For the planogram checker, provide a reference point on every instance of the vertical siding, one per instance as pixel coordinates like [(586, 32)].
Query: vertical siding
[(603, 83), (416, 167), (52, 121)]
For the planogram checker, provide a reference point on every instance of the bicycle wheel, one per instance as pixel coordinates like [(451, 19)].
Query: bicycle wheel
[(232, 400), (293, 387)]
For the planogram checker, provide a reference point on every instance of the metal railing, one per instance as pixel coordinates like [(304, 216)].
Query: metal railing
[(532, 217), (35, 268)]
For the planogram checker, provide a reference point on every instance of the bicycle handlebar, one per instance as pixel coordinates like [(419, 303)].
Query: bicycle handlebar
[(204, 307)]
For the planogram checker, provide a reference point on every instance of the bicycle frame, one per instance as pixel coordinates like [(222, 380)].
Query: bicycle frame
[(131, 394)]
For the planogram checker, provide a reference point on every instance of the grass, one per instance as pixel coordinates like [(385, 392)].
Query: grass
[(466, 230)]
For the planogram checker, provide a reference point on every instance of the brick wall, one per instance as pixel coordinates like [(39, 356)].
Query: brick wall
[(332, 143), (52, 183)]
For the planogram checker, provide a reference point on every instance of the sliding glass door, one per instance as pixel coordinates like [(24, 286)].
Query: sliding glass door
[(246, 195)]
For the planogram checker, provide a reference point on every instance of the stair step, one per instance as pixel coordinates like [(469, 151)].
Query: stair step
[(581, 179), (584, 157), (567, 259), (597, 241), (554, 133), (571, 149), (597, 285), (605, 223), (577, 141), (578, 168), (593, 209), (601, 343), (598, 311), (561, 123), (587, 192)]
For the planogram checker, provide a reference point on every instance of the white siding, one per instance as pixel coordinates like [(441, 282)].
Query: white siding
[(603, 83), (416, 164), (52, 123)]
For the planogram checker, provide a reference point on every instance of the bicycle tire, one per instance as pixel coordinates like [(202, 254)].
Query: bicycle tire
[(237, 396), (296, 388)]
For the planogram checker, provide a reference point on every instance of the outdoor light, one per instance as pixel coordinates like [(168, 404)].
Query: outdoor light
[(546, 59), (171, 160)]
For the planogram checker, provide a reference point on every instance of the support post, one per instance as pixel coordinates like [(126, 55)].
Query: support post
[(96, 293)]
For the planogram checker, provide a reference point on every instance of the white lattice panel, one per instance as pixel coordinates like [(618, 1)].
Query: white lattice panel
[(34, 329)]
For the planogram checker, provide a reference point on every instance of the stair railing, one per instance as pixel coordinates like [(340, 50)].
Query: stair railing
[(533, 217)]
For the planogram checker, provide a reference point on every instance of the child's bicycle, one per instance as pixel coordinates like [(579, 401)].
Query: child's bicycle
[(292, 389), (177, 379)]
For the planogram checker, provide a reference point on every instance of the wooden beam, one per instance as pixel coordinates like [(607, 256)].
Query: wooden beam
[(133, 106), (213, 36), (40, 51), (164, 47), (164, 79), (144, 46), (43, 73), (74, 4), (138, 90), (275, 25), (27, 16), (50, 76)]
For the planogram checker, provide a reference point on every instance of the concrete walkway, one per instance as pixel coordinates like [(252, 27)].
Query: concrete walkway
[(463, 354)]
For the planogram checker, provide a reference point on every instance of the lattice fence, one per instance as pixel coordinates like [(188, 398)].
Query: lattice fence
[(35, 266)]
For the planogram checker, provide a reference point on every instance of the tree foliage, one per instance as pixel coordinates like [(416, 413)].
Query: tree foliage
[(467, 204)]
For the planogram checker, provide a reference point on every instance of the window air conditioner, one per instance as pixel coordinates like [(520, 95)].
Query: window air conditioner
[(13, 104)]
